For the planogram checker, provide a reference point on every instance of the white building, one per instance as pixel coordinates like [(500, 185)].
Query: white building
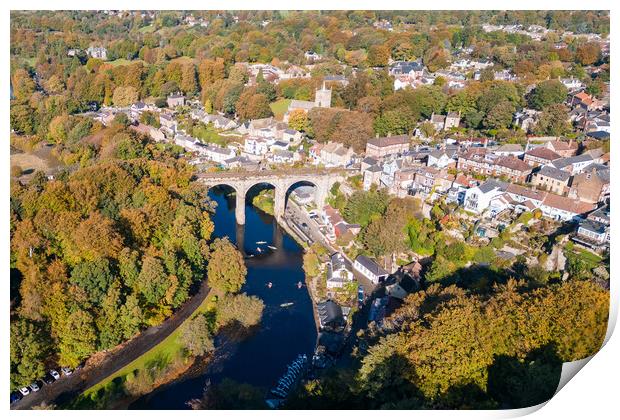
[(370, 269), (338, 275), (478, 199)]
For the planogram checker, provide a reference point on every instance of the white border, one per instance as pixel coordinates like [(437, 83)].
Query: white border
[(593, 394)]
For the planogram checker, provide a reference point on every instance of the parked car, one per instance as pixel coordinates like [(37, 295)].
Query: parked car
[(35, 386), (48, 379), (54, 374), (15, 396), (24, 390), (66, 371)]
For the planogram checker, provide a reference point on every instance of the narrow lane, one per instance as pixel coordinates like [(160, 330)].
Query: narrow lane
[(67, 388)]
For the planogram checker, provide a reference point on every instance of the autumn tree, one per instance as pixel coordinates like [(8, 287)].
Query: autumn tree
[(378, 55), (226, 271), (239, 309), (124, 96), (196, 337), (588, 53), (298, 120)]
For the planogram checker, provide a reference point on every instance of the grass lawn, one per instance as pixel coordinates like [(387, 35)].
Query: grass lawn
[(209, 134), (147, 29), (166, 351), (123, 62), (279, 107)]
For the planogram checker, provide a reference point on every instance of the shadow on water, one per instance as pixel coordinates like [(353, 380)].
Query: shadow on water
[(284, 332)]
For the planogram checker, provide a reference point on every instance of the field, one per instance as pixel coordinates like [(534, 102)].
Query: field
[(40, 159), (279, 108)]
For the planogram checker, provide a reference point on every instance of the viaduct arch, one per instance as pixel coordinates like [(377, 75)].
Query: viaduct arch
[(282, 181)]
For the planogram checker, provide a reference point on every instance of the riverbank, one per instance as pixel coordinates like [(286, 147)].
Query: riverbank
[(287, 328), (162, 363)]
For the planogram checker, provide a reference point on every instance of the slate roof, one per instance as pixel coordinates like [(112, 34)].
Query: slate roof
[(557, 174), (371, 265)]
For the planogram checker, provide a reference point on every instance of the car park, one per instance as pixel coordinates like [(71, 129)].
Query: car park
[(54, 374), (24, 390)]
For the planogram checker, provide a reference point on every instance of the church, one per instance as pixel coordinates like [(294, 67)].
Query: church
[(322, 99)]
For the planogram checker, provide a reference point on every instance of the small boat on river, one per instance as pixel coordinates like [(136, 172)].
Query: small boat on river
[(261, 242), (271, 247), (299, 285), (269, 285), (286, 305), (258, 249)]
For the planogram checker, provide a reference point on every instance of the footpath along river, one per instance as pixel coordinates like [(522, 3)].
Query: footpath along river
[(284, 332)]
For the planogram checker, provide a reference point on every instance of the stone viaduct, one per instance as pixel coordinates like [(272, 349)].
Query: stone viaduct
[(281, 180)]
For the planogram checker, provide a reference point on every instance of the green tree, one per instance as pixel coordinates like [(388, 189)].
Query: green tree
[(553, 121), (152, 282), (547, 93), (29, 349), (95, 277), (78, 339)]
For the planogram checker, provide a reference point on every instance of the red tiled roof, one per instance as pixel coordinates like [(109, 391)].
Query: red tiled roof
[(526, 192), (543, 153), (567, 204), (513, 163)]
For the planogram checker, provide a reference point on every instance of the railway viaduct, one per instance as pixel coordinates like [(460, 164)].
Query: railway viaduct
[(281, 180)]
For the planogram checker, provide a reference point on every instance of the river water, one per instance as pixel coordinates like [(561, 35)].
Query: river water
[(284, 333)]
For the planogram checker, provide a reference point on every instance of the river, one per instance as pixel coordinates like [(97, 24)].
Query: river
[(284, 333)]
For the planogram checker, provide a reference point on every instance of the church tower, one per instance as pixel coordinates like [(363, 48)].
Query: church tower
[(323, 97)]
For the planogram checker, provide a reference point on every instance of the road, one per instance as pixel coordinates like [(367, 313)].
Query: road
[(69, 387), (298, 215)]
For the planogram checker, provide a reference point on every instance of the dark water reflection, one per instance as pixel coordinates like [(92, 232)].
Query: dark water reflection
[(284, 332)]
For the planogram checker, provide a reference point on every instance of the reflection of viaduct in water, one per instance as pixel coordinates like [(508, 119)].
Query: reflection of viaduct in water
[(282, 181)]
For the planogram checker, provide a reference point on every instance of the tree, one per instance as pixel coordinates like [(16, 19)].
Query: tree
[(78, 339), (226, 269), (378, 55), (253, 105), (298, 120), (553, 121), (509, 323), (386, 235), (95, 277), (195, 336), (124, 96), (362, 206), (428, 129), (500, 116), (152, 282), (29, 349), (240, 309), (588, 53), (188, 84), (547, 93)]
